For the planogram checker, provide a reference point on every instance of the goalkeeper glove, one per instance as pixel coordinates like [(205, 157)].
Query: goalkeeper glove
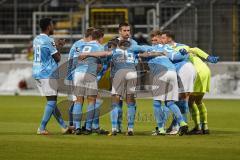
[(183, 51), (212, 59)]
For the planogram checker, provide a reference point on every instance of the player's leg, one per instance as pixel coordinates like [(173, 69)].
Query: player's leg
[(79, 92), (48, 87), (203, 112), (131, 103), (115, 113), (120, 116), (195, 115), (95, 124), (90, 113), (77, 114), (130, 88), (168, 92), (72, 99), (96, 114), (183, 106), (49, 108), (91, 93), (159, 117), (118, 83), (171, 97), (186, 77)]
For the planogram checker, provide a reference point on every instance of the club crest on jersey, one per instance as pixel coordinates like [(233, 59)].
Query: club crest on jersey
[(53, 44), (77, 49)]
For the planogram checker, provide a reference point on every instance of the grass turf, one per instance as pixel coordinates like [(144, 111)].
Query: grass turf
[(20, 117)]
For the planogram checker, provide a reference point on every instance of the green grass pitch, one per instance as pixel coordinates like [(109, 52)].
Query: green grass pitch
[(20, 117)]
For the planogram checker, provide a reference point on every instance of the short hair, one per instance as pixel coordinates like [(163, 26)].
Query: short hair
[(123, 24), (124, 43), (44, 23), (113, 43), (155, 33), (169, 33), (89, 32), (97, 34)]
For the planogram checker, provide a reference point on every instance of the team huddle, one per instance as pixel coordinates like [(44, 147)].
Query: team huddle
[(177, 76)]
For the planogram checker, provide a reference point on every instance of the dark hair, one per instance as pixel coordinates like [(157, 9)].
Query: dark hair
[(123, 24), (89, 32), (124, 43), (169, 33), (113, 43), (97, 34), (44, 23), (155, 33)]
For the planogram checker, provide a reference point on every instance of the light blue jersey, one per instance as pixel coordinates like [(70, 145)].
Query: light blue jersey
[(160, 63), (90, 64), (122, 59), (179, 64), (44, 66), (171, 54), (72, 62)]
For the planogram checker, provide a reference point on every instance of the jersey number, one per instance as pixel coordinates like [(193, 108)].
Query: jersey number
[(37, 50), (87, 49)]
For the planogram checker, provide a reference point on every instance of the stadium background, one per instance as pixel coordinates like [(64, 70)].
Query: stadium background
[(211, 25)]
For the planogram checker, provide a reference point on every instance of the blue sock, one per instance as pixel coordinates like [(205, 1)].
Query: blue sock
[(176, 112), (77, 113), (58, 117), (70, 115), (119, 121), (166, 114), (183, 106), (114, 115), (174, 122), (98, 104), (47, 114), (158, 113), (131, 115), (90, 116)]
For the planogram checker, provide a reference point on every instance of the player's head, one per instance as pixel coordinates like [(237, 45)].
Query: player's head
[(46, 26), (124, 30), (124, 44), (88, 34), (156, 37), (97, 35), (167, 36), (112, 44)]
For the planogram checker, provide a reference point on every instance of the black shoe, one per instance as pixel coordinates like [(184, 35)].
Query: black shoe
[(84, 127), (205, 131), (87, 132), (195, 131), (113, 133), (100, 131), (78, 131), (129, 133), (183, 130), (169, 129)]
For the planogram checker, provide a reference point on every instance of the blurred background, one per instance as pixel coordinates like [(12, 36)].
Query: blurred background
[(212, 25)]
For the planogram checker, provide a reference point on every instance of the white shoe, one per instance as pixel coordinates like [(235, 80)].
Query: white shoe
[(43, 132), (174, 131)]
